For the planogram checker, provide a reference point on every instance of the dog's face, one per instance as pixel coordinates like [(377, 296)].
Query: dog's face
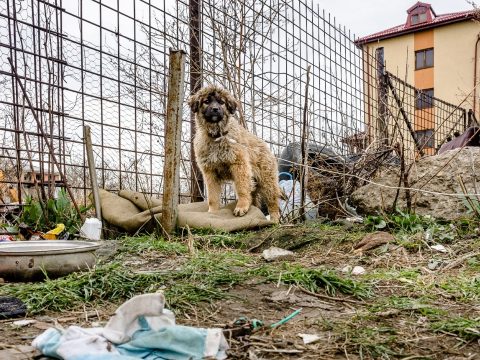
[(213, 104)]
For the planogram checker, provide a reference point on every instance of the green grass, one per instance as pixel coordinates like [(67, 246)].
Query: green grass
[(410, 275), (104, 283), (147, 243), (468, 329), (376, 342), (462, 287), (407, 305), (205, 277), (315, 280)]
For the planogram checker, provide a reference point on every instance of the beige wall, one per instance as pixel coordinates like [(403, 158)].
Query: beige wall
[(453, 62), (399, 55)]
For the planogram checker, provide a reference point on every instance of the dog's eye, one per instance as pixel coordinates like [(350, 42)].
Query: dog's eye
[(221, 102), (206, 101)]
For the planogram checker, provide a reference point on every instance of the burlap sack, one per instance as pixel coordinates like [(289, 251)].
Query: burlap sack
[(125, 211), (196, 215)]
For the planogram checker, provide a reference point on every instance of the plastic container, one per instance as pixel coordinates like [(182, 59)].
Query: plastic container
[(91, 229), (290, 209)]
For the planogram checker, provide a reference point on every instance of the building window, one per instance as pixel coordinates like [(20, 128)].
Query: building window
[(424, 138), (419, 18), (423, 59), (424, 99)]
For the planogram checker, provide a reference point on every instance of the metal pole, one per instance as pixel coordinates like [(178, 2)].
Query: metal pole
[(382, 129), (404, 114), (91, 168), (173, 132), (196, 184)]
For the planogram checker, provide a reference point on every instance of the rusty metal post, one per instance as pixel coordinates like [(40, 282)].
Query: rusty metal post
[(173, 132), (382, 116), (196, 184), (91, 168)]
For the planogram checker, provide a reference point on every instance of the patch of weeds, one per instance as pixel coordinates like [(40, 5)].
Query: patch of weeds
[(316, 279), (404, 275), (139, 244), (463, 288), (397, 221), (406, 223), (473, 263), (370, 342), (467, 226), (408, 305), (222, 268), (411, 242), (205, 277), (468, 329), (104, 283), (56, 211), (205, 238)]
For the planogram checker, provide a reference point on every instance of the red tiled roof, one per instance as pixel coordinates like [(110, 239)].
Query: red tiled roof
[(403, 29)]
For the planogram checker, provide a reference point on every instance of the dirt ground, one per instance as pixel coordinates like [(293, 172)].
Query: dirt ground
[(423, 303)]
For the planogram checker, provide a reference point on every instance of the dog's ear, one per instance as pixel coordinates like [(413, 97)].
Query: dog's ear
[(231, 103), (194, 103)]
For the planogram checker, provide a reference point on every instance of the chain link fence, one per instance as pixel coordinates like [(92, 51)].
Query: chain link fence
[(104, 63)]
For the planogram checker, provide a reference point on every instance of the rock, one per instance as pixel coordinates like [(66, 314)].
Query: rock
[(439, 248), (274, 253), (434, 264), (25, 322), (309, 338), (373, 240), (356, 270), (436, 177)]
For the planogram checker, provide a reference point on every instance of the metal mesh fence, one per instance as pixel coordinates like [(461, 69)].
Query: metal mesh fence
[(104, 63), (418, 119)]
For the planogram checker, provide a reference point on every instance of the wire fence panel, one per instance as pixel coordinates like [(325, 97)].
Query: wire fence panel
[(104, 63)]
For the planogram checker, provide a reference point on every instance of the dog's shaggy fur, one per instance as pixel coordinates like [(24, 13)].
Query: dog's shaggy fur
[(226, 151)]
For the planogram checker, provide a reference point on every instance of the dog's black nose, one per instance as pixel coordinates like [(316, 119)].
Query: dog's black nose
[(215, 109)]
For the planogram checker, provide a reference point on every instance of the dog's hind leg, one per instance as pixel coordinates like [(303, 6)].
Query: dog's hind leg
[(214, 188), (271, 195), (242, 178)]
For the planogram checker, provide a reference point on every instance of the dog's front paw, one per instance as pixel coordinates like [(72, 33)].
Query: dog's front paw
[(240, 211)]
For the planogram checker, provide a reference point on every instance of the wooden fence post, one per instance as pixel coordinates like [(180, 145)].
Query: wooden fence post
[(173, 132)]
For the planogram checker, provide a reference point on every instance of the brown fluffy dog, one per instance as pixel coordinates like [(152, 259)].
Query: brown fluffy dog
[(226, 151)]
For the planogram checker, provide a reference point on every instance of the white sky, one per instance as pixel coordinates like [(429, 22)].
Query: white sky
[(365, 17)]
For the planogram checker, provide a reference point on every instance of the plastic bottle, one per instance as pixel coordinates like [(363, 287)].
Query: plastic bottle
[(290, 209)]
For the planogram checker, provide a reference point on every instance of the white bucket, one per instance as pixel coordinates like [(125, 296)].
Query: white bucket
[(91, 229)]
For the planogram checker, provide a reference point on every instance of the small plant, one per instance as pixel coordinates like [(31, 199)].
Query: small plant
[(407, 223), (55, 211), (398, 221)]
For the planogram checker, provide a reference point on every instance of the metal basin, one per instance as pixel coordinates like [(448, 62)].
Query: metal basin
[(30, 260)]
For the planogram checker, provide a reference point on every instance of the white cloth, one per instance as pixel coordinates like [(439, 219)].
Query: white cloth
[(140, 329)]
